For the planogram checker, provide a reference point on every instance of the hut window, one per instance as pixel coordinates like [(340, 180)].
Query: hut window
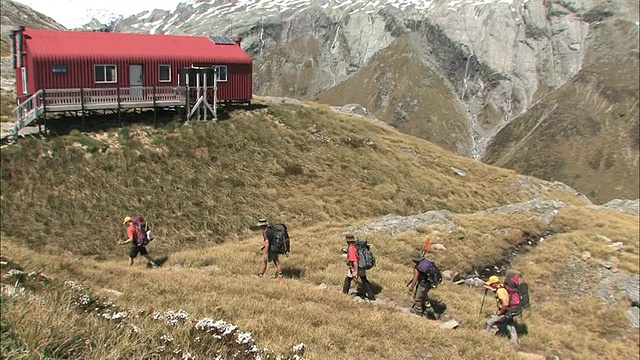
[(105, 73), (222, 72), (164, 73)]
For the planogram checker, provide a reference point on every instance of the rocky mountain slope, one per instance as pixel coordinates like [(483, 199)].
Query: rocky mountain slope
[(496, 57), (13, 14), (452, 72), (588, 127)]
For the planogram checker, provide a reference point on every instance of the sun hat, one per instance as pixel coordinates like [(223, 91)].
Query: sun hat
[(416, 256), (262, 222), (126, 219), (492, 280)]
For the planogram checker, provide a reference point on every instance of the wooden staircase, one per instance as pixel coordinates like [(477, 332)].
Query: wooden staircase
[(26, 113)]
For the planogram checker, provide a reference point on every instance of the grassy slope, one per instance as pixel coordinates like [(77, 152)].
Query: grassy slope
[(208, 183), (586, 132), (407, 94), (216, 282)]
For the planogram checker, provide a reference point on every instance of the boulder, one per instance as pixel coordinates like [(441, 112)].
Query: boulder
[(474, 282), (109, 293), (447, 274), (458, 172), (449, 324), (586, 255), (633, 315), (437, 247)]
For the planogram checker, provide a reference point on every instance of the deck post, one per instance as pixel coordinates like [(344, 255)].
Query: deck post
[(154, 106), (186, 105), (44, 112), (118, 100), (82, 106)]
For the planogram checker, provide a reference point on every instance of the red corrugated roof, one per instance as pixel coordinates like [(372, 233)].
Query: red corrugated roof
[(90, 44)]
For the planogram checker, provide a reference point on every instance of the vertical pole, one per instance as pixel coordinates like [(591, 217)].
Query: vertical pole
[(154, 106), (187, 107), (82, 106), (119, 112), (198, 93), (215, 96), (44, 111), (204, 94)]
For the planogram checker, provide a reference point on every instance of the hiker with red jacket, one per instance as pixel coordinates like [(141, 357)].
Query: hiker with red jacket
[(354, 272), (137, 247), (504, 314), (422, 283)]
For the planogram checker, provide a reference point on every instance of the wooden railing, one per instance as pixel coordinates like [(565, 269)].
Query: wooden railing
[(88, 96), (25, 113)]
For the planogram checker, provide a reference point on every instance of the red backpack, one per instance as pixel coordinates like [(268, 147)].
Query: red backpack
[(143, 234), (518, 294)]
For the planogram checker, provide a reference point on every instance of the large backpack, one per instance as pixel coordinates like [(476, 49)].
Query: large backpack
[(144, 233), (429, 272), (366, 260), (518, 294), (278, 238)]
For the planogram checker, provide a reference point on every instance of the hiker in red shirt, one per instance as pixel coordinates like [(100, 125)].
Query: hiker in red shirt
[(353, 271), (133, 237)]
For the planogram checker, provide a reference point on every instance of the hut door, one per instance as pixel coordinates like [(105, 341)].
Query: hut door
[(135, 81)]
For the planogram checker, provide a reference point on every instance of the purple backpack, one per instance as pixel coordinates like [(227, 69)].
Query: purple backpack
[(424, 266)]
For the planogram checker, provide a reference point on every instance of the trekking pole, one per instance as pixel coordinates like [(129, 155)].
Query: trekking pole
[(426, 246), (482, 305)]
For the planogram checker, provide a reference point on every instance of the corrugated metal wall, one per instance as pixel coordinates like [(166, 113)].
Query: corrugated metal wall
[(80, 74)]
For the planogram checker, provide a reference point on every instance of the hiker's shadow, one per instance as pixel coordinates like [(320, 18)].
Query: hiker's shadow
[(375, 289), (521, 329), (161, 260), (438, 306), (292, 272)]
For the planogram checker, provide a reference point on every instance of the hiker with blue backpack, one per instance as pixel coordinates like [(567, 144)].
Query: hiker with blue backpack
[(426, 276), (359, 260), (512, 297), (275, 242), (138, 235)]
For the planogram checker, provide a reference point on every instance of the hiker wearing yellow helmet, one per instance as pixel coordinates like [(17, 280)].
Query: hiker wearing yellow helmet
[(132, 237), (501, 317)]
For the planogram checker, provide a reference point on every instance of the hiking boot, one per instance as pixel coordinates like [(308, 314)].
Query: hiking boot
[(368, 292), (416, 311), (279, 275), (260, 274), (346, 286)]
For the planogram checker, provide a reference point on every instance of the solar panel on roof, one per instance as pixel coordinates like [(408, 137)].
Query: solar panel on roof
[(222, 40)]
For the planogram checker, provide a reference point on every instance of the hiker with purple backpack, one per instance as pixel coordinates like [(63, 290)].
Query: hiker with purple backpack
[(139, 235), (425, 277)]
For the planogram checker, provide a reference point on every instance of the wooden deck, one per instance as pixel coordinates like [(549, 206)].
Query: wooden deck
[(59, 100), (84, 100)]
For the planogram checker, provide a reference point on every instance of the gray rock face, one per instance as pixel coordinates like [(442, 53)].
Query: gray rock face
[(631, 207), (633, 315), (396, 224), (497, 57)]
